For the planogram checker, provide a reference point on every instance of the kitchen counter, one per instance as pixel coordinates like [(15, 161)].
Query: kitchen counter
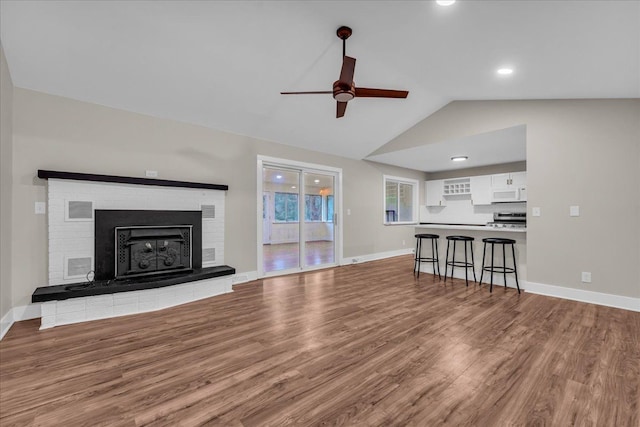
[(469, 227), (477, 232)]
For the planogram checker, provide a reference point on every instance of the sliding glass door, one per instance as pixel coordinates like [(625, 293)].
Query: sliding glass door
[(319, 229), (298, 219)]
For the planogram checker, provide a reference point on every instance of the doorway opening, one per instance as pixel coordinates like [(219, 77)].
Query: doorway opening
[(297, 219)]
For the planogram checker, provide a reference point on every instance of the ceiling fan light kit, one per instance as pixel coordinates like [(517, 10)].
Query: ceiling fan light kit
[(344, 89)]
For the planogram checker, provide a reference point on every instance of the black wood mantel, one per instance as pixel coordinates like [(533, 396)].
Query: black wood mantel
[(46, 174)]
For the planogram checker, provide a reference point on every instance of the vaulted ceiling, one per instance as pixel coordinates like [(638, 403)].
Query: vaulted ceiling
[(222, 64)]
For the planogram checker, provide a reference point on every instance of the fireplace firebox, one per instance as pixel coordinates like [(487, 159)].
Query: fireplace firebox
[(133, 243), (146, 250)]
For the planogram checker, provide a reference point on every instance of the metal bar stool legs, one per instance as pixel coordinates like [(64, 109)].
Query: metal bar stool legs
[(465, 264), (433, 259), (497, 268)]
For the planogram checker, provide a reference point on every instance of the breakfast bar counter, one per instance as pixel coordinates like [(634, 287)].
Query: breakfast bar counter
[(478, 232)]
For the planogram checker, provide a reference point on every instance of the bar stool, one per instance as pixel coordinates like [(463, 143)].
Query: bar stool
[(497, 268), (434, 253), (453, 263)]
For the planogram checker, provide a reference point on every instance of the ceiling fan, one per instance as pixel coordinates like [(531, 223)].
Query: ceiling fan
[(344, 89)]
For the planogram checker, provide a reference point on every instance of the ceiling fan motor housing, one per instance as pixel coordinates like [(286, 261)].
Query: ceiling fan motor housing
[(343, 92)]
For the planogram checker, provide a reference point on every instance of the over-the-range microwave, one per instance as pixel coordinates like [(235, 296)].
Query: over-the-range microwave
[(503, 195)]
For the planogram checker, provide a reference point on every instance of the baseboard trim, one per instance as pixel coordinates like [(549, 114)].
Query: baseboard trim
[(5, 323), (599, 298), (247, 276), (17, 314), (374, 257)]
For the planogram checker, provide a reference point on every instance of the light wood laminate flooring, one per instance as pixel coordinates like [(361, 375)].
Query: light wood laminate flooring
[(364, 345), (284, 256)]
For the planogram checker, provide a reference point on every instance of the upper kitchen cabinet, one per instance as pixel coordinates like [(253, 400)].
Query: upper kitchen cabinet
[(481, 189), (509, 187), (434, 193), (507, 180)]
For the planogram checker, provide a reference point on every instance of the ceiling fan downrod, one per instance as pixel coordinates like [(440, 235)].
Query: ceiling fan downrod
[(344, 33)]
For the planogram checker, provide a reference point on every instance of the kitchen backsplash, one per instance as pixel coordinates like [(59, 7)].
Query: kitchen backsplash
[(463, 212)]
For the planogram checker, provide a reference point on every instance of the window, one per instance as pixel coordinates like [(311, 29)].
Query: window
[(400, 200), (286, 207), (329, 209), (313, 207)]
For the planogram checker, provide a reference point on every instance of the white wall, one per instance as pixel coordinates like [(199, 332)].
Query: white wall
[(6, 179), (56, 133), (579, 152)]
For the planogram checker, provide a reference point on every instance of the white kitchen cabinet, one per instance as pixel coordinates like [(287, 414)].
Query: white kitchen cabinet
[(519, 179), (481, 187), (508, 180), (434, 193)]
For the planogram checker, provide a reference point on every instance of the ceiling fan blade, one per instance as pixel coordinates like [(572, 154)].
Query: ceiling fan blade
[(306, 93), (341, 107), (348, 68), (364, 92)]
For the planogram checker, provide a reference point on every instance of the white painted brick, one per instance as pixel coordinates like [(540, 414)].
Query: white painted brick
[(72, 317), (70, 306), (48, 308), (166, 299), (99, 301), (125, 309), (102, 312), (47, 322), (149, 295), (148, 305), (124, 298)]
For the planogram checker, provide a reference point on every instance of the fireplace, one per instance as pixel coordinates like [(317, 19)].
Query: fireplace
[(133, 243), (146, 250)]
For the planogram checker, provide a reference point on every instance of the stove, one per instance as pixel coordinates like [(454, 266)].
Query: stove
[(509, 220)]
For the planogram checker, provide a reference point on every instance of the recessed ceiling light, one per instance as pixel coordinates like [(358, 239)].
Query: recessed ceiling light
[(293, 186), (459, 158), (445, 2), (505, 71), (317, 181), (278, 176)]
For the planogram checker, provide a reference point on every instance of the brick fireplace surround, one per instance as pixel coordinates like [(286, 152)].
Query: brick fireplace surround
[(73, 295)]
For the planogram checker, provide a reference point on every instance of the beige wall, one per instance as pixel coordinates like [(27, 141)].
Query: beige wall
[(579, 152), (6, 100), (56, 133)]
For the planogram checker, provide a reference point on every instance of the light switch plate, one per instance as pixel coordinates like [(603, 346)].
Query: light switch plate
[(41, 208), (535, 212), (574, 210), (151, 174)]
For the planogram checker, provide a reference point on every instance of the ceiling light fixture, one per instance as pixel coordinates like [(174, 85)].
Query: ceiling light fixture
[(459, 158), (317, 181), (505, 71), (278, 176), (293, 187), (445, 2)]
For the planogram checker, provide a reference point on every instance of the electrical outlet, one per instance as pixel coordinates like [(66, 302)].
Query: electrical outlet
[(348, 211), (586, 277), (574, 210), (535, 212), (151, 174), (404, 243)]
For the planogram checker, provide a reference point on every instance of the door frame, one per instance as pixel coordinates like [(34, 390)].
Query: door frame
[(263, 161)]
